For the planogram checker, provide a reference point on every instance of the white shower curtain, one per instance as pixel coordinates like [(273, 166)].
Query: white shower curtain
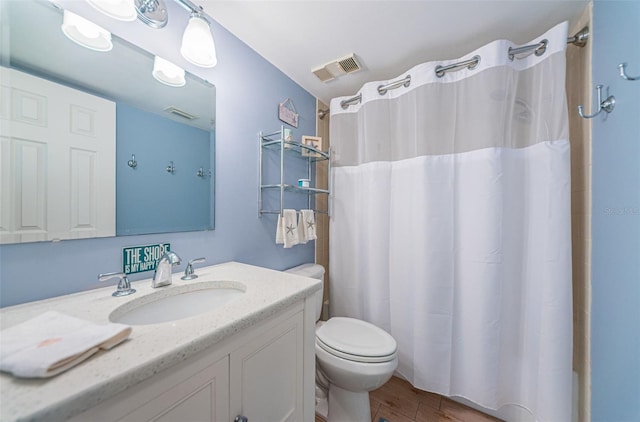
[(451, 225)]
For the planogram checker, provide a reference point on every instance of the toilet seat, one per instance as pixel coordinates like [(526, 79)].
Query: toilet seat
[(356, 340)]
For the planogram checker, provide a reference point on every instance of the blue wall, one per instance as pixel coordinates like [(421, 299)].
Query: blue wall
[(248, 90), (615, 311), (179, 200)]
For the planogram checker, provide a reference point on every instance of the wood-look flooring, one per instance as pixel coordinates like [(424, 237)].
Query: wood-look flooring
[(399, 401)]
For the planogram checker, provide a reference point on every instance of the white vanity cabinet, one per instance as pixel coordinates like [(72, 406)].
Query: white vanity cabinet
[(260, 373)]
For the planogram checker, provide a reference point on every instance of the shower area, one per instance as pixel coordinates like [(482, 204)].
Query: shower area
[(459, 220)]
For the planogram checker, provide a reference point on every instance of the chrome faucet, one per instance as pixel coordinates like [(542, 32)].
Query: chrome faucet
[(162, 275)]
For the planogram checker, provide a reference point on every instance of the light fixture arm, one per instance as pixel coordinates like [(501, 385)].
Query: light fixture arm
[(193, 8)]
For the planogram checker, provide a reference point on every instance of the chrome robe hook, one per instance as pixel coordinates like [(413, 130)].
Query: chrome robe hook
[(623, 73), (607, 105), (132, 163)]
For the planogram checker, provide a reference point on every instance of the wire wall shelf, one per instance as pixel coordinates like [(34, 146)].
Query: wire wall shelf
[(275, 143)]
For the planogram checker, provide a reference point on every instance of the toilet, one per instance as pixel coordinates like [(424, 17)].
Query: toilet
[(353, 357)]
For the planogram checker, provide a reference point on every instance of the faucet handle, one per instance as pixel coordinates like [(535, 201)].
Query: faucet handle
[(189, 273), (124, 286)]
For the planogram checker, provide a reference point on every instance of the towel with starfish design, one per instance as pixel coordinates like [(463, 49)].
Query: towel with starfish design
[(287, 230), (306, 226)]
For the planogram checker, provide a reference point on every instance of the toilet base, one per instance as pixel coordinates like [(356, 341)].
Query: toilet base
[(348, 406), (322, 402), (322, 408)]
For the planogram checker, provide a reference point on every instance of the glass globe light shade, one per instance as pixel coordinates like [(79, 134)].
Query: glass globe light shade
[(168, 73), (85, 32), (198, 47)]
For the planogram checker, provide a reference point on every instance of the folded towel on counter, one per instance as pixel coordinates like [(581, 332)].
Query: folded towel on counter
[(290, 228), (53, 342), (307, 226)]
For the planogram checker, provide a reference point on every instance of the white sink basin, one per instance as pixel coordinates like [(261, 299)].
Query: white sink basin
[(178, 302)]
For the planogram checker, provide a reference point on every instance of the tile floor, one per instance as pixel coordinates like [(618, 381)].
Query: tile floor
[(398, 401)]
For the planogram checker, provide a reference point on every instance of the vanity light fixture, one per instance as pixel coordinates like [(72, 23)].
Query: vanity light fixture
[(197, 46), (86, 33), (122, 10), (168, 73)]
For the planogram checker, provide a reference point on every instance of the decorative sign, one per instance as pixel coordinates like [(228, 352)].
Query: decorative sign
[(314, 142), (287, 112), (137, 259)]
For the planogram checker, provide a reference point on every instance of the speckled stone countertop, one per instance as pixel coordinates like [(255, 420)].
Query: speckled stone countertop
[(150, 348)]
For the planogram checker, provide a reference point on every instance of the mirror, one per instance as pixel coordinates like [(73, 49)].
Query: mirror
[(161, 169)]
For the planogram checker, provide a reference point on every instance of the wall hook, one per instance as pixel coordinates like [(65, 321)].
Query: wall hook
[(607, 105), (623, 73), (202, 173), (132, 163), (170, 168)]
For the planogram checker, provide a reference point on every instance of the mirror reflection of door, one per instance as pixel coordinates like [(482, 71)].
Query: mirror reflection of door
[(57, 146)]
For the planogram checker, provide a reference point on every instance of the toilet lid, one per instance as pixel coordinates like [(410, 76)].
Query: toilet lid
[(356, 340)]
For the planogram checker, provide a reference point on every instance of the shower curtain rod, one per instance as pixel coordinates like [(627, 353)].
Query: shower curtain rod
[(579, 39)]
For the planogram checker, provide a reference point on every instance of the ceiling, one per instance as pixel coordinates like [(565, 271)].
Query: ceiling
[(388, 37)]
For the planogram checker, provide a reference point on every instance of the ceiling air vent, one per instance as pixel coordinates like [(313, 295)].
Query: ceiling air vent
[(349, 64), (338, 68), (181, 113)]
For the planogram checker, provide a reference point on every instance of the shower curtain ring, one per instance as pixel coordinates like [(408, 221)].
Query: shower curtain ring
[(607, 105)]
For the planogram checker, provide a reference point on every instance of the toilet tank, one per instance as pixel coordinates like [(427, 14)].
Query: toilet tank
[(313, 271)]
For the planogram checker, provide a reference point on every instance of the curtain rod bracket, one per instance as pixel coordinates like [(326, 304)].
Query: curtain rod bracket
[(580, 38)]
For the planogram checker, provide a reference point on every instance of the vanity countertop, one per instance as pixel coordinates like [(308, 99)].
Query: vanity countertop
[(150, 348)]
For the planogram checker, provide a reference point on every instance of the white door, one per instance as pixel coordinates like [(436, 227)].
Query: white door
[(57, 151)]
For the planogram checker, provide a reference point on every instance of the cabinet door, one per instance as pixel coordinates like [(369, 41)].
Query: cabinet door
[(196, 390), (202, 397), (267, 374)]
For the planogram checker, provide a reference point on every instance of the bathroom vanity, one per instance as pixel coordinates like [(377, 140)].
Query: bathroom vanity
[(253, 356)]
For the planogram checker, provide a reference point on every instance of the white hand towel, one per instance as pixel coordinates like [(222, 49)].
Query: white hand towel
[(53, 342), (279, 231), (302, 233), (308, 224), (290, 227)]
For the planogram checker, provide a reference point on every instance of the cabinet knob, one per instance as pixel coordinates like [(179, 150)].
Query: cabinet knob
[(241, 418)]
